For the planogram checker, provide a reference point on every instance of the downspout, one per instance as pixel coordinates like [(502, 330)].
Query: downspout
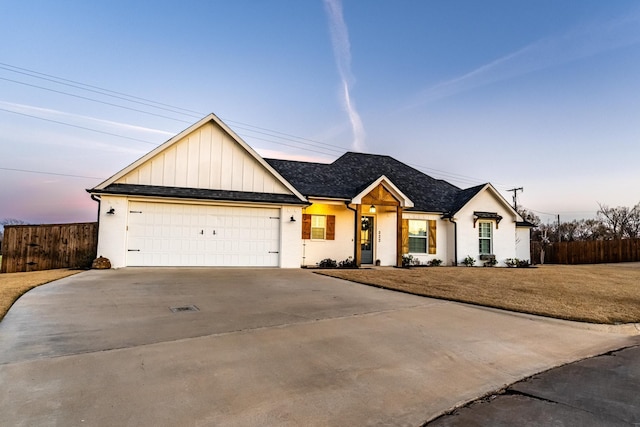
[(455, 240), (304, 242), (355, 227), (97, 199)]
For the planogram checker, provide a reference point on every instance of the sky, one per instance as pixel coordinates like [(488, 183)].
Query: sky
[(538, 94)]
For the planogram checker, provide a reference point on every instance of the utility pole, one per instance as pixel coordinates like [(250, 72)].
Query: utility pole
[(559, 234), (515, 196)]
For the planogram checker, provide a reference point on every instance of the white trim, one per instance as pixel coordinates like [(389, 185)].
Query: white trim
[(210, 118), (497, 195), (405, 202)]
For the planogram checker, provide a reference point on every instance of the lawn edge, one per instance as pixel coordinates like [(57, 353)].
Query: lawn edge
[(587, 321), (5, 310)]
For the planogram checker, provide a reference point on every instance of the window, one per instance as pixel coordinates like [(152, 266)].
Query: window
[(484, 234), (417, 236), (318, 226)]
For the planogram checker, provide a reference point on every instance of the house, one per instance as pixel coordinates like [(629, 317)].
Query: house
[(206, 198)]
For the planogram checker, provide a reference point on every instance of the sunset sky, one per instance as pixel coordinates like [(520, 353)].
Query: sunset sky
[(543, 95)]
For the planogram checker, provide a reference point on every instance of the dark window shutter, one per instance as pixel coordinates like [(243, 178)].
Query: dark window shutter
[(306, 226), (432, 236), (405, 236), (331, 227)]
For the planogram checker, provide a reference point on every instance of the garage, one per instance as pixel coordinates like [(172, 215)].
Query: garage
[(180, 234)]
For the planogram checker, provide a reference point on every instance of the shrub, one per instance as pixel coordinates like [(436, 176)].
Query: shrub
[(407, 260), (490, 262), (518, 263), (434, 263), (327, 263), (347, 263), (469, 261)]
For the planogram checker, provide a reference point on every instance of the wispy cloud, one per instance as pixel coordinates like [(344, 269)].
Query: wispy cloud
[(579, 43), (342, 53), (50, 113)]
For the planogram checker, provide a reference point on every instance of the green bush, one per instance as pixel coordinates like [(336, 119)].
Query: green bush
[(348, 263), (327, 263), (490, 262), (469, 261), (517, 263), (407, 260)]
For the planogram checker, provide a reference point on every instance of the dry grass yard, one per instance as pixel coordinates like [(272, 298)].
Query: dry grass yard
[(588, 293), (14, 285)]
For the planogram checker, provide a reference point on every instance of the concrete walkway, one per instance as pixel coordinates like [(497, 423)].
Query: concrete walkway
[(266, 347)]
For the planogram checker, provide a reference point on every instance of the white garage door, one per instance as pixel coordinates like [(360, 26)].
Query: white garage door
[(164, 234)]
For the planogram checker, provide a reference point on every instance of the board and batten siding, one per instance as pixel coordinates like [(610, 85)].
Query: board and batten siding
[(206, 158)]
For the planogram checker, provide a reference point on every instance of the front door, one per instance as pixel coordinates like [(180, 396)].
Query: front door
[(367, 232)]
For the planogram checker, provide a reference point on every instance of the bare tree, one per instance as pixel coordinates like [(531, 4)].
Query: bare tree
[(632, 229), (9, 221), (621, 222), (12, 221), (529, 216)]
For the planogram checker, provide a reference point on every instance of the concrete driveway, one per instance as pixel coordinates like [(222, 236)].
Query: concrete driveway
[(266, 347)]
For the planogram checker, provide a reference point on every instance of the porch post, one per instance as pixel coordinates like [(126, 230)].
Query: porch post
[(399, 236), (357, 237)]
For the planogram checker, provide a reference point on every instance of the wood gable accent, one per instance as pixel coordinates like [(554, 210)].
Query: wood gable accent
[(380, 196)]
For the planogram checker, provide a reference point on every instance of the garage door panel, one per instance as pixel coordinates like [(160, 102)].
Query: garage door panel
[(199, 235)]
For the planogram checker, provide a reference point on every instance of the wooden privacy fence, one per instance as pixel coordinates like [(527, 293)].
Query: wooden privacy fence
[(588, 252), (45, 247)]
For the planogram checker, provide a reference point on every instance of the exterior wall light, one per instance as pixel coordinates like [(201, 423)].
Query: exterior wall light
[(292, 219), (111, 211), (372, 209)]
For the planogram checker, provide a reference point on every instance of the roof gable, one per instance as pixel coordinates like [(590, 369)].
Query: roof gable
[(207, 155), (352, 173), (384, 189), (467, 196)]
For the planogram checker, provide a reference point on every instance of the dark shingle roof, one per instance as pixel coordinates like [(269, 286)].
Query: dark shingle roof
[(463, 197), (198, 193), (353, 172)]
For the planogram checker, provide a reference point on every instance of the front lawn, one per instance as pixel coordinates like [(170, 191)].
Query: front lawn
[(589, 293), (14, 285)]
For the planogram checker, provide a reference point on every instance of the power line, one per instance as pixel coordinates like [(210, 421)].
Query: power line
[(454, 176), (94, 100), (178, 110), (140, 140), (162, 116), (50, 173), (287, 145), (134, 99), (79, 127), (26, 71)]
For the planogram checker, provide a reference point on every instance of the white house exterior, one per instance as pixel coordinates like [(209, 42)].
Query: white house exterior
[(205, 198)]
